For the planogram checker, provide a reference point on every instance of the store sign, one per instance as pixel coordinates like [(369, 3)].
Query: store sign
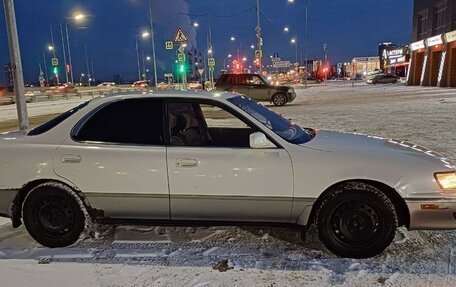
[(395, 53), (417, 45), (450, 37), (436, 40)]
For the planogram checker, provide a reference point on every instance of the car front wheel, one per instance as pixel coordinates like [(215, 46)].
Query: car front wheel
[(53, 215), (279, 99), (356, 220)]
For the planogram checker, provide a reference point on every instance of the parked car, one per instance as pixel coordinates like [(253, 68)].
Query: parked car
[(382, 79), (141, 84), (107, 84), (63, 89), (255, 87), (221, 158), (195, 85)]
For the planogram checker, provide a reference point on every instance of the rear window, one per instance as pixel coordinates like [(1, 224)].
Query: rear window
[(55, 121)]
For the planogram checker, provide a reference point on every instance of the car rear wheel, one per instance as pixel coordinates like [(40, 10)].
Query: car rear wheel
[(53, 215), (356, 220), (279, 99)]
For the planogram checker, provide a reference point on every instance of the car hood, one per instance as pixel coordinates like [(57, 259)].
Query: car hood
[(378, 147)]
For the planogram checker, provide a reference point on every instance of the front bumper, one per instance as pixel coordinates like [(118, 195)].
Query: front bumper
[(432, 213), (291, 96), (6, 199)]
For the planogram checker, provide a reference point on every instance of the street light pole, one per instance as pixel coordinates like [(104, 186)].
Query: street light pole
[(260, 44), (64, 54), (87, 63), (305, 53), (53, 50), (137, 59), (18, 77), (69, 54), (45, 69), (153, 43)]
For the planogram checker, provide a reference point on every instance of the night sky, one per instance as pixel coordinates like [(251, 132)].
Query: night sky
[(350, 27)]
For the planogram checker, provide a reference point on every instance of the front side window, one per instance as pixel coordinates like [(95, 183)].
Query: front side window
[(282, 127), (255, 80), (203, 124), (132, 121)]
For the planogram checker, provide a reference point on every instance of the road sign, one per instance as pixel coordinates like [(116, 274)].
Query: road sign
[(180, 36), (276, 59), (201, 71), (275, 55), (211, 62), (281, 64), (181, 57), (168, 75), (211, 68), (258, 53), (181, 49), (169, 45), (55, 62)]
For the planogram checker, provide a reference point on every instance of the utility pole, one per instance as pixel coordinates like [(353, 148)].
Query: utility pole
[(305, 52), (69, 53), (53, 50), (137, 59), (260, 40), (91, 64), (64, 54), (45, 69), (87, 63), (153, 43), (16, 64)]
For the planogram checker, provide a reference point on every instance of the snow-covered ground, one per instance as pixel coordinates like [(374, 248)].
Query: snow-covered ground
[(185, 256)]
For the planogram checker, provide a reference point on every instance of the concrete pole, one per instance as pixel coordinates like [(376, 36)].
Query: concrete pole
[(153, 44), (69, 53), (64, 54), (305, 53), (87, 63), (16, 63), (260, 44)]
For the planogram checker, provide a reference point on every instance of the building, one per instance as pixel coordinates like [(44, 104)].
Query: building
[(362, 66), (433, 50), (396, 60)]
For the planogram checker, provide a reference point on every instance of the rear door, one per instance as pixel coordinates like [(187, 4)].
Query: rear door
[(118, 159)]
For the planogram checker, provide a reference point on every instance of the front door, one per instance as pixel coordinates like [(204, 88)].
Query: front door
[(258, 89), (118, 160), (215, 175)]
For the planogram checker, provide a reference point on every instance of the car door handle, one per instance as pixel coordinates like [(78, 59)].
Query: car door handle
[(70, 158), (186, 162)]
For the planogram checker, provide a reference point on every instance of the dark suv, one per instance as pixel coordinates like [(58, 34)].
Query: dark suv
[(256, 87)]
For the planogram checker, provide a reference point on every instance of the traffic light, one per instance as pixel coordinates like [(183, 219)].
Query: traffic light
[(182, 69), (55, 70)]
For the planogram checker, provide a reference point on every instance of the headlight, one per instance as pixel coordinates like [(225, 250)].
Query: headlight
[(446, 180)]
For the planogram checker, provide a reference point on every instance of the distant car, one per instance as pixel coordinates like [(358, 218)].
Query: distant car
[(195, 85), (64, 89), (164, 86), (382, 79), (107, 84), (255, 87), (200, 157), (141, 84)]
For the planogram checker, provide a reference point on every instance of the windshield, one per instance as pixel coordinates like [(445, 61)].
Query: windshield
[(282, 127)]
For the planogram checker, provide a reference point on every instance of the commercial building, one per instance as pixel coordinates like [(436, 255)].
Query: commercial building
[(433, 51), (394, 59), (362, 65)]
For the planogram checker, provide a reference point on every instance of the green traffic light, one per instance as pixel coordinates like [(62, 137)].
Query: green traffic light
[(55, 70), (181, 68)]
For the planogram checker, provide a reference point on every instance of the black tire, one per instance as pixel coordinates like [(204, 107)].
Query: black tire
[(279, 99), (53, 215), (356, 220)]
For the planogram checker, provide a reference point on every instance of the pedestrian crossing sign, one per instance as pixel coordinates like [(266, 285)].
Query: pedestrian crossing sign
[(180, 36)]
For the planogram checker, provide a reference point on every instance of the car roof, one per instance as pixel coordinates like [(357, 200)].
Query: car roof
[(166, 94)]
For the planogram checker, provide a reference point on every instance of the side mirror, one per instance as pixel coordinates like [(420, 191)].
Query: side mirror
[(259, 140)]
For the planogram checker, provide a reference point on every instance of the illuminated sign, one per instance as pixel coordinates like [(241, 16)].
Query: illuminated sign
[(450, 37), (436, 40), (417, 45)]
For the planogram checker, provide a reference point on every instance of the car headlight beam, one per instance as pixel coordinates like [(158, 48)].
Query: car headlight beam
[(446, 180)]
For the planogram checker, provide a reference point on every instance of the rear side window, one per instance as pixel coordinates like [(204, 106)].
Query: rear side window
[(134, 121), (55, 121)]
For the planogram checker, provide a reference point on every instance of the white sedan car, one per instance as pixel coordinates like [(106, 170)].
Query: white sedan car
[(218, 157)]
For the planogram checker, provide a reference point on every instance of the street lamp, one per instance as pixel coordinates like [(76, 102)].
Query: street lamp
[(232, 38), (51, 48), (286, 29), (145, 35), (252, 46), (195, 25)]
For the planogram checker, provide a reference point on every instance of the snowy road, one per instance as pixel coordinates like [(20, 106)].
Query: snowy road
[(180, 256)]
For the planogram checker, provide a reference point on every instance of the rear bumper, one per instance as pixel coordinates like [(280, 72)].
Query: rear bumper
[(432, 213), (6, 199)]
